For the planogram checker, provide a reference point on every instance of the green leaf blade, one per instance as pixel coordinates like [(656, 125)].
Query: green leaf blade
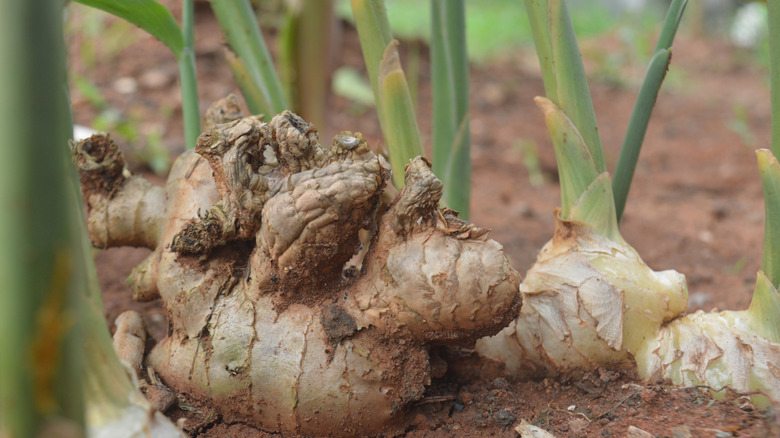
[(399, 123), (637, 128), (149, 15), (643, 108)]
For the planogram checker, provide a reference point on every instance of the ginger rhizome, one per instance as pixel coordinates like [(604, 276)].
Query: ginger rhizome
[(590, 301), (279, 316)]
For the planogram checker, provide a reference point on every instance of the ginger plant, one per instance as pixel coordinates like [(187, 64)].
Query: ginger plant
[(590, 301), (278, 318)]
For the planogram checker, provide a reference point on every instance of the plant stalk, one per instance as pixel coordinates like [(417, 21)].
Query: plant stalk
[(399, 124), (770, 178), (391, 91), (773, 9), (643, 108), (40, 362), (239, 25), (451, 132), (374, 33), (189, 81), (307, 44), (565, 82)]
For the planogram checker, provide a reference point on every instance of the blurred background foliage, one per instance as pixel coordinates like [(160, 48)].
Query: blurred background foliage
[(616, 38)]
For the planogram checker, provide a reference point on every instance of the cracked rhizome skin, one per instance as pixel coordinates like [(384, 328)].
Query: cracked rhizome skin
[(279, 316)]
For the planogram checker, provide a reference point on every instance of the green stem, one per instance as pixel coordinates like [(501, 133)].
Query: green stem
[(413, 58), (565, 82), (391, 91), (671, 23), (239, 25), (253, 94), (189, 81), (451, 134), (770, 179), (643, 108), (39, 319), (308, 45), (773, 7), (399, 123), (374, 33)]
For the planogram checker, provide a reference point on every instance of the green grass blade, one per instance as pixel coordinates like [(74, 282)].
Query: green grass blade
[(239, 25), (189, 79), (770, 179), (40, 345), (562, 70), (643, 108), (773, 9), (149, 15), (576, 167), (451, 133), (637, 127), (399, 126)]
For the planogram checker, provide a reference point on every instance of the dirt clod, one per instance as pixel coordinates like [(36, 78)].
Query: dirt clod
[(338, 324)]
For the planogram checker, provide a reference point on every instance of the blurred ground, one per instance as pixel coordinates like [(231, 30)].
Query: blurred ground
[(695, 206)]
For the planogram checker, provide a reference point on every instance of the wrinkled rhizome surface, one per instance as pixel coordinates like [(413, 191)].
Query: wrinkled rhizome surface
[(251, 236)]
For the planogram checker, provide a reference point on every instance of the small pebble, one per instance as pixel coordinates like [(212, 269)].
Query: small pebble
[(458, 404), (635, 432), (681, 432), (504, 417), (500, 383)]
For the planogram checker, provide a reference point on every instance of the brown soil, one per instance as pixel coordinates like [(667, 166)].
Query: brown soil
[(696, 206)]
